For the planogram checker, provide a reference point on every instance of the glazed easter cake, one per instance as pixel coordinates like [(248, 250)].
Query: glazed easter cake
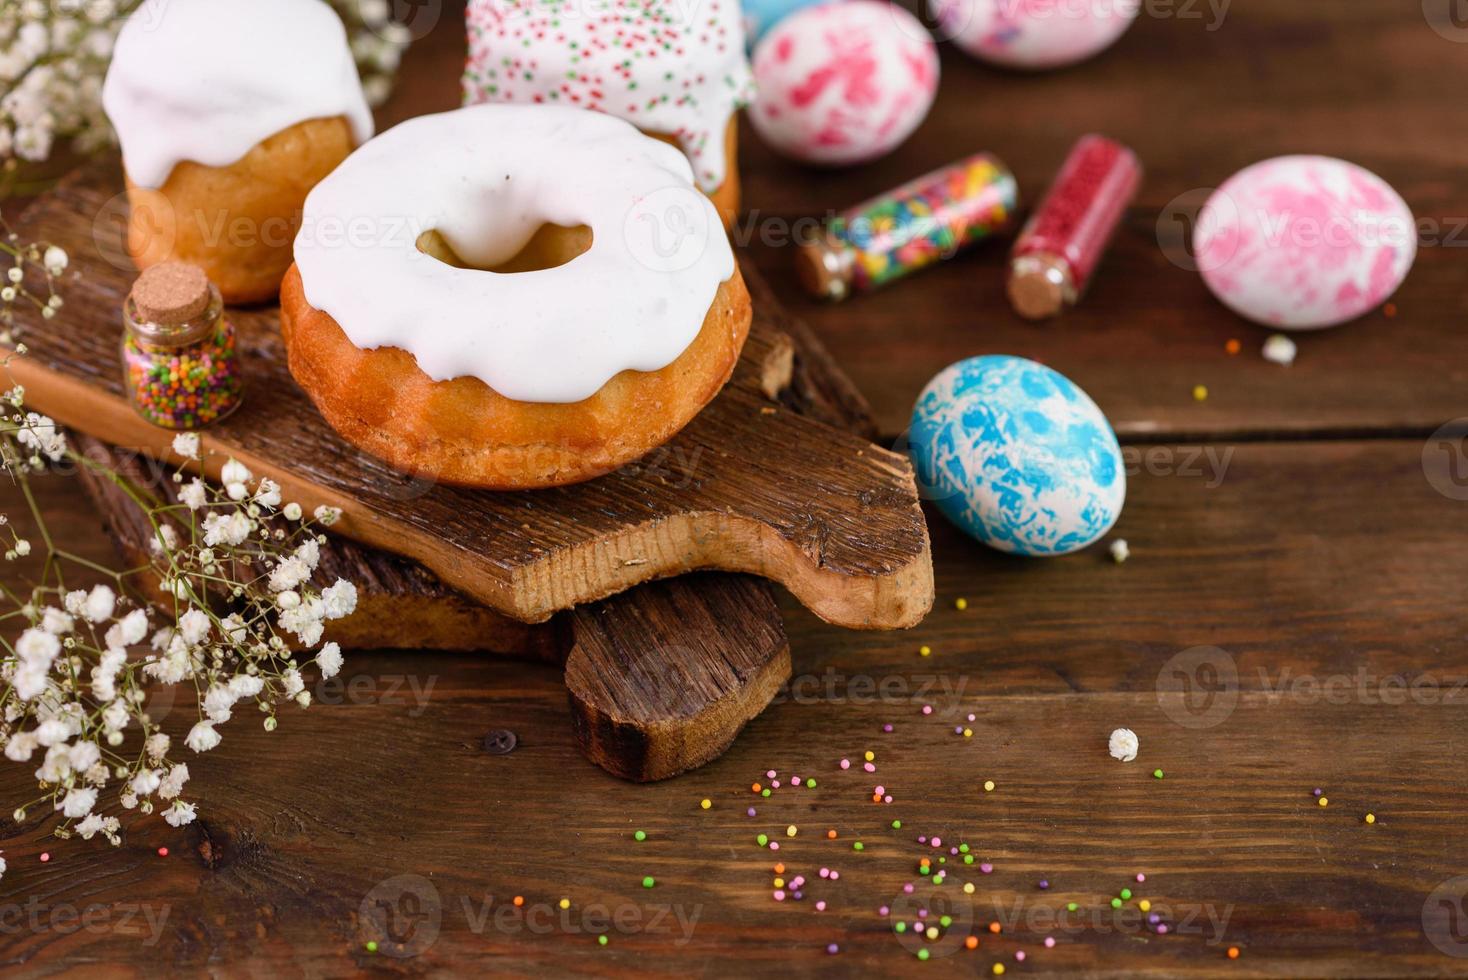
[(227, 118), (677, 71), (516, 316)]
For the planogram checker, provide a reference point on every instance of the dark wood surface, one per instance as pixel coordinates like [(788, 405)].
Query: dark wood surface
[(1323, 560)]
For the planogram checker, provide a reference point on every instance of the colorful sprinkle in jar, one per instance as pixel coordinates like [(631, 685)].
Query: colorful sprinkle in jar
[(180, 361), (921, 222)]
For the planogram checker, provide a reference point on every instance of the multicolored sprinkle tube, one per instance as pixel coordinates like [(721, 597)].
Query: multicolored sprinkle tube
[(924, 221)]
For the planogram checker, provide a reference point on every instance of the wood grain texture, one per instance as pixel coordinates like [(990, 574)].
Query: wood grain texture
[(744, 488), (1310, 560), (304, 831), (1197, 105)]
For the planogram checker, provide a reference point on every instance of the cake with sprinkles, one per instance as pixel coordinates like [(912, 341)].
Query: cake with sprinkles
[(675, 70)]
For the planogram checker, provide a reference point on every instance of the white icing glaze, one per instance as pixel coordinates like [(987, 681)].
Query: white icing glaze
[(486, 178), (206, 80), (675, 67)]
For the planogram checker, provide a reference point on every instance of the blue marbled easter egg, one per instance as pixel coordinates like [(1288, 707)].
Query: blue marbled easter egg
[(761, 15), (1018, 456)]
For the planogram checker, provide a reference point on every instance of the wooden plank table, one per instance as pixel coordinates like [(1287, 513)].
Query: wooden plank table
[(1292, 617)]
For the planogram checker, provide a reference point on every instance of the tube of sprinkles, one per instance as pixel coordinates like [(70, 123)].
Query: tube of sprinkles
[(1057, 253), (915, 225)]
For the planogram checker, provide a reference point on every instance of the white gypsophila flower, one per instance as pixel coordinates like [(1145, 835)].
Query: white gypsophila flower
[(173, 783), (327, 516), (22, 547), (52, 731), (56, 766), (218, 702), (20, 746), (42, 434), (129, 630), (309, 552), (114, 717), (194, 627), (179, 814), (305, 622), (165, 540), (1123, 744), (186, 444), (56, 622), (194, 495), (289, 599), (100, 605), (234, 628), (329, 660), (292, 682), (30, 681), (267, 494), (104, 675), (78, 803), (157, 746), (292, 512), (227, 529), (91, 826), (244, 686), (145, 782), (291, 572), (84, 755), (55, 260), (75, 601), (202, 737), (37, 646), (235, 474), (340, 600)]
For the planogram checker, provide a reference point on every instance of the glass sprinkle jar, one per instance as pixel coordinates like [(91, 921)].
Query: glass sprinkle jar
[(180, 360)]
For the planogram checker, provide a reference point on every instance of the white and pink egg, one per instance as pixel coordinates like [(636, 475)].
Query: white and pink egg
[(843, 83), (1034, 34), (1304, 242)]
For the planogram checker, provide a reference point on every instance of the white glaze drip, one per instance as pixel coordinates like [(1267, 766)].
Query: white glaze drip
[(674, 67), (486, 178), (206, 80)]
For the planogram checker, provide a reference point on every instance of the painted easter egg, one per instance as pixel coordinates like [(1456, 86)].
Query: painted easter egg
[(843, 83), (1304, 242), (761, 15), (1033, 34), (1017, 456)]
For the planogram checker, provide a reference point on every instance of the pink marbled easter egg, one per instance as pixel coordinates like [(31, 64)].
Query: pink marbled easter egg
[(843, 83), (1034, 34), (1304, 242)]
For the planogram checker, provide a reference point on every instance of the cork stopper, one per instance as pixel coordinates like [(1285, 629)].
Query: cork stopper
[(171, 294), (1040, 286), (824, 267)]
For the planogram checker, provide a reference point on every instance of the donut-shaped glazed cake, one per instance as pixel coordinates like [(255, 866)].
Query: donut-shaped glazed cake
[(512, 296)]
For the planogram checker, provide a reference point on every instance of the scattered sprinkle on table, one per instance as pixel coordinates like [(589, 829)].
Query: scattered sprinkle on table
[(1324, 801), (988, 786), (1233, 346), (791, 830), (163, 852), (1371, 818), (518, 901), (601, 940), (705, 803), (1280, 350), (1157, 774), (998, 969), (1200, 393), (371, 946), (564, 903), (960, 603), (1120, 551), (1144, 905), (45, 856), (642, 835), (858, 846), (1233, 952), (648, 881)]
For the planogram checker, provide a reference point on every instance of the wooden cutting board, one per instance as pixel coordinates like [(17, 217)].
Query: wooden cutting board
[(746, 487), (660, 678)]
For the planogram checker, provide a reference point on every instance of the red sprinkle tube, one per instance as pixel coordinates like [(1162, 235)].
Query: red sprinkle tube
[(1057, 253)]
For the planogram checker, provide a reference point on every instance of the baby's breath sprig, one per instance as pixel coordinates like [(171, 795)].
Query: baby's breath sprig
[(29, 272), (77, 665)]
